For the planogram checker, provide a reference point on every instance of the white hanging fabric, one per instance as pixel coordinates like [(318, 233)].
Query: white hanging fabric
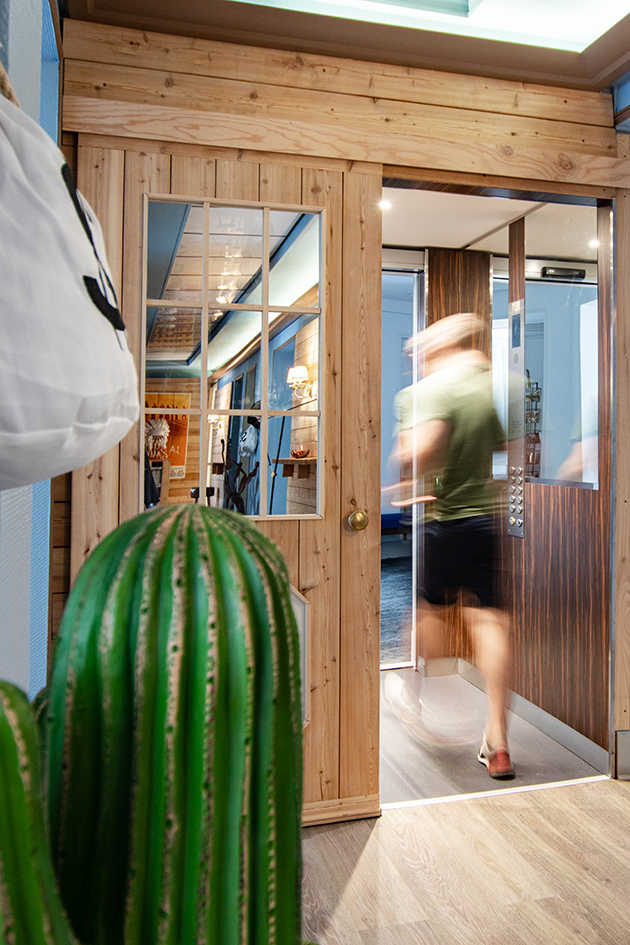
[(68, 383)]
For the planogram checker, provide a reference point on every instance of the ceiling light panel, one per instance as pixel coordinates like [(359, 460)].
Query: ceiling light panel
[(553, 24)]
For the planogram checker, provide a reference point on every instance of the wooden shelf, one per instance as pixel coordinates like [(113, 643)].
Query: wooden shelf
[(303, 466)]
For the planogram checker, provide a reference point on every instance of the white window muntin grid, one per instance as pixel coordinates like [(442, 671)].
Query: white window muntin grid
[(264, 413)]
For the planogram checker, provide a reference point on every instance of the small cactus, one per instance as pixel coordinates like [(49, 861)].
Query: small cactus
[(173, 738)]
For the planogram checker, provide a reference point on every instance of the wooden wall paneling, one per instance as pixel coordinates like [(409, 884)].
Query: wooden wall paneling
[(362, 141), (281, 183), (238, 180), (145, 172), (277, 188), (320, 540), (336, 108), (93, 42), (193, 176), (132, 143), (95, 487), (622, 473), (360, 485)]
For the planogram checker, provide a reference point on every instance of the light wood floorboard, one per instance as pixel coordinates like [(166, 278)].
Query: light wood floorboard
[(542, 867)]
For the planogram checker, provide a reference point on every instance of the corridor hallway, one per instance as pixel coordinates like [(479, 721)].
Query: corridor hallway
[(539, 866)]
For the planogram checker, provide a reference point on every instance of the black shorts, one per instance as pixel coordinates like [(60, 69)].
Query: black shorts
[(461, 554)]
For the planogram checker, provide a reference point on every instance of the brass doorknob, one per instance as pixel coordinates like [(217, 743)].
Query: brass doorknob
[(358, 520)]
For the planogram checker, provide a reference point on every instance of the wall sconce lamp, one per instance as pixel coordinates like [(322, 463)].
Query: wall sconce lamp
[(298, 380), (214, 420)]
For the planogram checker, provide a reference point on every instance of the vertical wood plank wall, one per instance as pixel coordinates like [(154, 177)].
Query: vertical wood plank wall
[(319, 549), (95, 488), (361, 452), (259, 124)]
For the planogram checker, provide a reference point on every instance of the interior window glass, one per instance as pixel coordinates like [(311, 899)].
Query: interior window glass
[(233, 329)]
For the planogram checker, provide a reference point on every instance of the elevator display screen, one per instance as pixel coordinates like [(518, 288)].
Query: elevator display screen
[(516, 330)]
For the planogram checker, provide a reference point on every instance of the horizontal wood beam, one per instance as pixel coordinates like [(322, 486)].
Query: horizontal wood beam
[(93, 42), (351, 143), (384, 116), (475, 181)]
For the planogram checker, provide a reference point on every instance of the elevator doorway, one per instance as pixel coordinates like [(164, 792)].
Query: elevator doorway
[(458, 251)]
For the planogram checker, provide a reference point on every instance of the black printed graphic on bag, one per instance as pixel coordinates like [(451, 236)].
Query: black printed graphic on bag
[(98, 289)]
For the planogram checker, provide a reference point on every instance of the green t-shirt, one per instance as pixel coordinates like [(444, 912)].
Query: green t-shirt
[(462, 396)]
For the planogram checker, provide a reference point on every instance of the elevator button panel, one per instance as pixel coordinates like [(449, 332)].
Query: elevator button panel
[(516, 421)]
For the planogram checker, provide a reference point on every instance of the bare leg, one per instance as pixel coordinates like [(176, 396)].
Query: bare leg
[(490, 633), (431, 626)]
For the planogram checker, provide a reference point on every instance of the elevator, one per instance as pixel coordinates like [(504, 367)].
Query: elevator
[(541, 278)]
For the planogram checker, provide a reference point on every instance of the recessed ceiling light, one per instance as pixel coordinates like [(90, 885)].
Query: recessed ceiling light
[(594, 243), (384, 204)]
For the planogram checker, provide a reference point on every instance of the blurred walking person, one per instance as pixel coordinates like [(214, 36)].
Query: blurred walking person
[(448, 428)]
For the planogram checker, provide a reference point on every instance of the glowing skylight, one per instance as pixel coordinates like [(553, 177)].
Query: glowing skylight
[(557, 24)]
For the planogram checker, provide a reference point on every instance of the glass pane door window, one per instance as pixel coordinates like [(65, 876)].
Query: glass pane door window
[(560, 395), (232, 353)]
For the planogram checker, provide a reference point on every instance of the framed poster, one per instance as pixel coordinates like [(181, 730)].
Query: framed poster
[(171, 443)]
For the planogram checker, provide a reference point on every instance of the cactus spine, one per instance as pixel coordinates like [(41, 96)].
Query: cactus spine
[(173, 738), (30, 907)]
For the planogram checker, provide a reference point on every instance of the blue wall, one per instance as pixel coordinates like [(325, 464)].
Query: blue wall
[(28, 52)]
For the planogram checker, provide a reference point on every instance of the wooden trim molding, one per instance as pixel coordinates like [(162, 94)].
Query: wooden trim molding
[(343, 808)]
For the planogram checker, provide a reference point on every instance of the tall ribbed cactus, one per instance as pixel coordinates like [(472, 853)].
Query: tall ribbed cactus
[(30, 908), (173, 738)]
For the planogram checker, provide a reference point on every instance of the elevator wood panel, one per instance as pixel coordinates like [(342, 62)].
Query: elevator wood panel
[(457, 281), (442, 274), (516, 241), (559, 606), (622, 482)]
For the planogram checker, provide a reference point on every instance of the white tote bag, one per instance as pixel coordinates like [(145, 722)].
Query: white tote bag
[(68, 384)]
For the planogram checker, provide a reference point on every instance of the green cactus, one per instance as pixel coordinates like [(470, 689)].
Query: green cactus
[(30, 907), (173, 738)]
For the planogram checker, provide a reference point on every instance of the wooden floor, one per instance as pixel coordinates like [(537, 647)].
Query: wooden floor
[(542, 867)]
